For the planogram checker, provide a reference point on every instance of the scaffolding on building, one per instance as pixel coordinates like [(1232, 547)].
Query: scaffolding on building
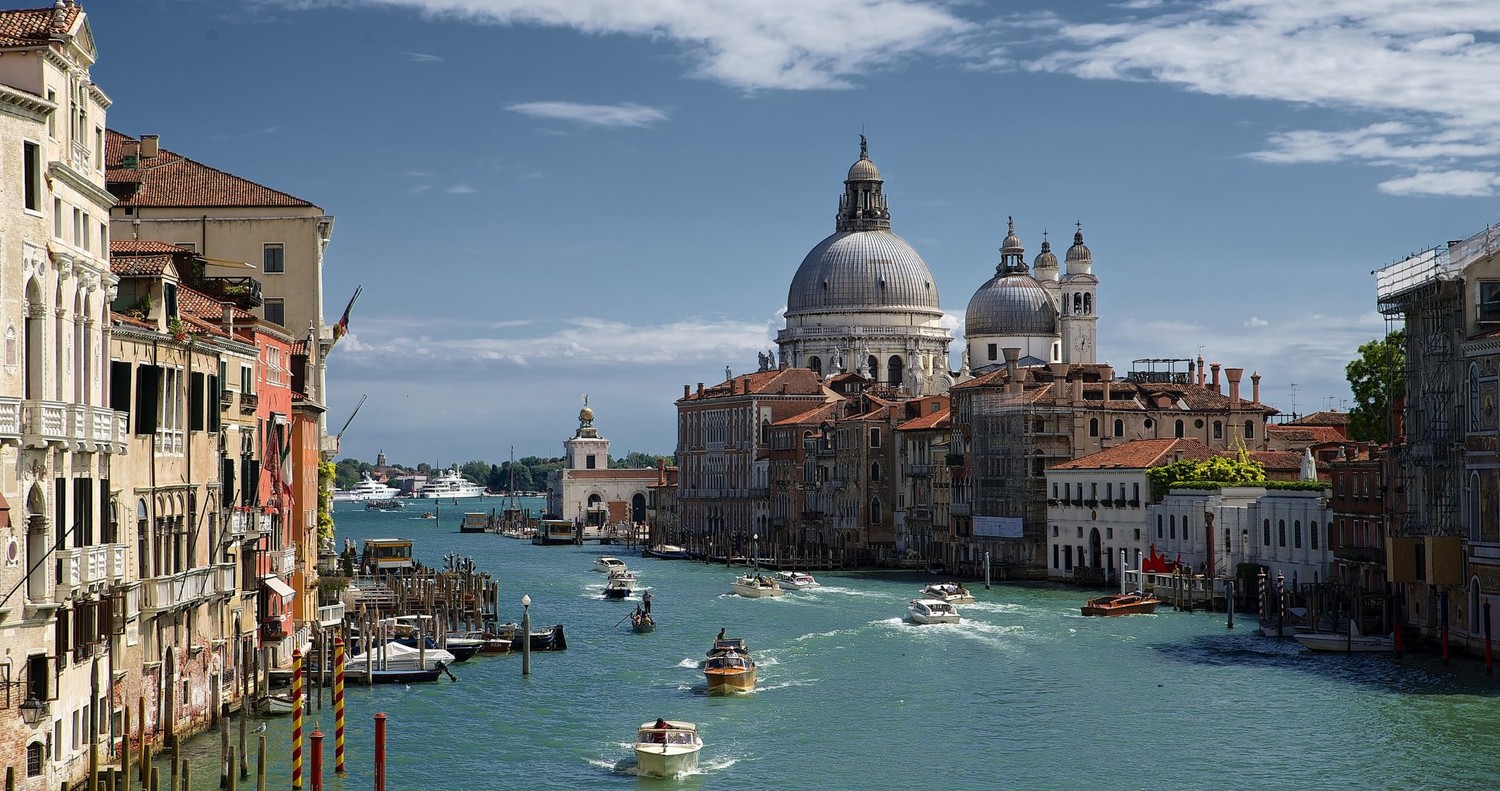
[(1423, 294), (1016, 437)]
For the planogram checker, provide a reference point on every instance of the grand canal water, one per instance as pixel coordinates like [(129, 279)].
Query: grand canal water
[(1026, 693)]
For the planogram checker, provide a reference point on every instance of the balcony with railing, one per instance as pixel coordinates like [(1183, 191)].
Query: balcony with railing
[(248, 402), (919, 470), (244, 292), (10, 418), (226, 579), (235, 524), (80, 567), (182, 589), (44, 422)]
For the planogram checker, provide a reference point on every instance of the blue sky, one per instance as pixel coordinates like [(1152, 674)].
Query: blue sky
[(544, 199)]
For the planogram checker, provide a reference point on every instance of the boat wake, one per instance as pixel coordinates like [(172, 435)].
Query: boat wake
[(984, 606), (814, 635), (693, 663), (784, 684), (842, 591)]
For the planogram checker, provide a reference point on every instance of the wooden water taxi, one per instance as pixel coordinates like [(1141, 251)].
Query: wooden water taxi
[(1122, 604), (729, 667)]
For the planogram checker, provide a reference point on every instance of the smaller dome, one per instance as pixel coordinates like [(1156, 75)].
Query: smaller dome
[(1010, 305), (864, 170), (1012, 243), (1045, 259), (585, 415), (1078, 252)]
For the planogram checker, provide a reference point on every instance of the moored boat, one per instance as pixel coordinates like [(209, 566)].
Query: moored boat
[(932, 611), (449, 484), (548, 638), (665, 552), (274, 705), (1339, 642), (755, 586), (729, 667), (395, 663), (1122, 604), (489, 642), (795, 580), (667, 749), (950, 592)]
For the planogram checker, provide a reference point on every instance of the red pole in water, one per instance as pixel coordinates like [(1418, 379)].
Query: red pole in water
[(380, 751), (317, 760), (1443, 600)]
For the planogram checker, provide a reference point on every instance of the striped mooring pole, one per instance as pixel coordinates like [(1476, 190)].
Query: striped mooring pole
[(338, 705), (296, 718), (1261, 577)]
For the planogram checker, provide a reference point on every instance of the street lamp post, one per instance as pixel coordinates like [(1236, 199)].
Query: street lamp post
[(526, 635)]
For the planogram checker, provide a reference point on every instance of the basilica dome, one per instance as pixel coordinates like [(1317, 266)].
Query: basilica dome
[(862, 270), (1010, 305)]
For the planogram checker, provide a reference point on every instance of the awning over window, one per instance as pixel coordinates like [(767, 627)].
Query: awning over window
[(278, 587), (4, 511)]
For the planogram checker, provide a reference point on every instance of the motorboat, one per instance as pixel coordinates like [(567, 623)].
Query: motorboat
[(667, 749), (608, 564), (665, 552), (548, 638), (489, 642), (1122, 604), (729, 667), (1341, 642), (641, 621), (950, 592), (448, 485), (932, 611), (393, 662), (275, 705), (756, 586), (367, 489), (384, 505), (619, 586), (795, 580), (412, 630)]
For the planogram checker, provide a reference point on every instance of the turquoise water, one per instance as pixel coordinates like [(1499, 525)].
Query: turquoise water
[(1026, 693)]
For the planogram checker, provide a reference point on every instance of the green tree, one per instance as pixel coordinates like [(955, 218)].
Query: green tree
[(523, 480), (1376, 378), (348, 471), (636, 460), (1218, 469), (476, 471)]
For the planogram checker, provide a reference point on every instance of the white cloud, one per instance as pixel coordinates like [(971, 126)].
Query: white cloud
[(1254, 321), (1434, 66), (579, 342), (1453, 183), (422, 57), (460, 189), (609, 115), (770, 44)]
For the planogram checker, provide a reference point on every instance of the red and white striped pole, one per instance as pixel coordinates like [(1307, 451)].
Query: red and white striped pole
[(296, 718), (338, 705)]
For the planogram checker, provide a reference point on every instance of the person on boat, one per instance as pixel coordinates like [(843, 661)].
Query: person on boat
[(646, 601), (721, 635)]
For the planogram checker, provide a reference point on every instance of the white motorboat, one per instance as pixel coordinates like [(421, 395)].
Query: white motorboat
[(448, 485), (1339, 642), (396, 662), (932, 611), (367, 489), (608, 564), (756, 586), (622, 574), (619, 586), (667, 749), (950, 592), (795, 580)]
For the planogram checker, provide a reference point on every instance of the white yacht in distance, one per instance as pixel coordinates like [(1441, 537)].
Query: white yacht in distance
[(367, 489), (448, 484)]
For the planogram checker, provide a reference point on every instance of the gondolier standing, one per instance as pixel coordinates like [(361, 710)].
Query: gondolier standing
[(646, 600)]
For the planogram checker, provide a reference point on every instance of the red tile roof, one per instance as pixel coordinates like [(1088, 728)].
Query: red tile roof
[(172, 180), (197, 303), (817, 414), (1141, 454), (783, 381), (1340, 419), (30, 27), (1311, 433), (141, 247), (938, 419), (139, 265)]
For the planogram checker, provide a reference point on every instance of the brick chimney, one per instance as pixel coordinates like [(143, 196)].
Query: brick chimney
[(150, 146), (1107, 376), (687, 391), (1255, 388), (1201, 370), (1234, 375), (1012, 371), (1215, 385), (700, 389)]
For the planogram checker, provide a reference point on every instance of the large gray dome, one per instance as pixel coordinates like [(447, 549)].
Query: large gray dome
[(862, 271), (1009, 305)]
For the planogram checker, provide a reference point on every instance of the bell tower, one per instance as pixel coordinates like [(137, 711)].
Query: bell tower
[(1079, 305)]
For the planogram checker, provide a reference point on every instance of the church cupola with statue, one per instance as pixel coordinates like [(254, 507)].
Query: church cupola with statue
[(863, 301), (1014, 309), (586, 450)]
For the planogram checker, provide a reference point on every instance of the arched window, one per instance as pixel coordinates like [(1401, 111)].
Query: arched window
[(1077, 303), (1297, 534), (875, 510), (1218, 429), (143, 539), (1267, 537), (34, 759), (873, 364), (1088, 304), (1119, 427), (1066, 304), (895, 370), (1249, 429), (1281, 533), (1312, 533), (875, 472), (1158, 526), (815, 364), (1179, 428), (1093, 427), (1172, 526)]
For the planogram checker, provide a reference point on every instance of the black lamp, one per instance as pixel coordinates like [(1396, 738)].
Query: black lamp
[(33, 710)]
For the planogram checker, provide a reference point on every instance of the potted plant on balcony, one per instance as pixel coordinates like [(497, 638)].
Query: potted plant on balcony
[(178, 328)]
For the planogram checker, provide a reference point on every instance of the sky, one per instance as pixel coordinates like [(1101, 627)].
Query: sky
[(547, 199)]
